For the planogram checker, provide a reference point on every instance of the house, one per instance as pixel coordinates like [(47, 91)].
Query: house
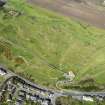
[(44, 103), (88, 98), (70, 75), (100, 98), (2, 72)]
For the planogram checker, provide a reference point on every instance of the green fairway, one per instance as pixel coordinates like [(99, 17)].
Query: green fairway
[(43, 45)]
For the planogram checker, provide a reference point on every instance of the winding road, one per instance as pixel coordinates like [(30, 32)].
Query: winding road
[(52, 93)]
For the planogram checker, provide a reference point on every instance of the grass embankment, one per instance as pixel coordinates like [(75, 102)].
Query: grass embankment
[(43, 45), (70, 101), (1, 79)]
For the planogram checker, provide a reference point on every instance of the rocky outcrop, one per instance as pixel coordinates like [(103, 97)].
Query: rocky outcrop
[(2, 3)]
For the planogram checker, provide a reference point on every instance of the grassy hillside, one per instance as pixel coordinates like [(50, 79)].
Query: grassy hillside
[(43, 45)]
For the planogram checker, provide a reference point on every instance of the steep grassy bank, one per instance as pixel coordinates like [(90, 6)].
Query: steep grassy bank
[(42, 45)]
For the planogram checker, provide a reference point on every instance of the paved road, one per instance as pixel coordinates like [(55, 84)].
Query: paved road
[(26, 83), (10, 75), (78, 93)]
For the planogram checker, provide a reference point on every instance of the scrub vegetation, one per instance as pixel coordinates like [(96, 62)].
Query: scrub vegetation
[(41, 45)]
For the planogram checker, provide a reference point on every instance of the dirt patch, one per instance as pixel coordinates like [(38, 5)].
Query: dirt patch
[(76, 9)]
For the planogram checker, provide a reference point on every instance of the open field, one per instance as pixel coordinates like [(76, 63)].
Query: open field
[(43, 45), (90, 11)]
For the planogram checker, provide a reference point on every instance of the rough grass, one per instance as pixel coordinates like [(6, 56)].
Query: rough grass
[(1, 79), (50, 44)]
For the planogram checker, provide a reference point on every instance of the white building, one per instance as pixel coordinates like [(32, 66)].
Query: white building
[(70, 75), (2, 72), (44, 103), (88, 98)]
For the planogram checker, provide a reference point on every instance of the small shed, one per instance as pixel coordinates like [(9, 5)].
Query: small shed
[(88, 98), (70, 75)]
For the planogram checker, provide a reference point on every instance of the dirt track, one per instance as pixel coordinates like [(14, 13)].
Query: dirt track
[(77, 10)]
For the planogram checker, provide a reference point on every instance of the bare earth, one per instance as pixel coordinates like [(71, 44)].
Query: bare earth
[(86, 12)]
